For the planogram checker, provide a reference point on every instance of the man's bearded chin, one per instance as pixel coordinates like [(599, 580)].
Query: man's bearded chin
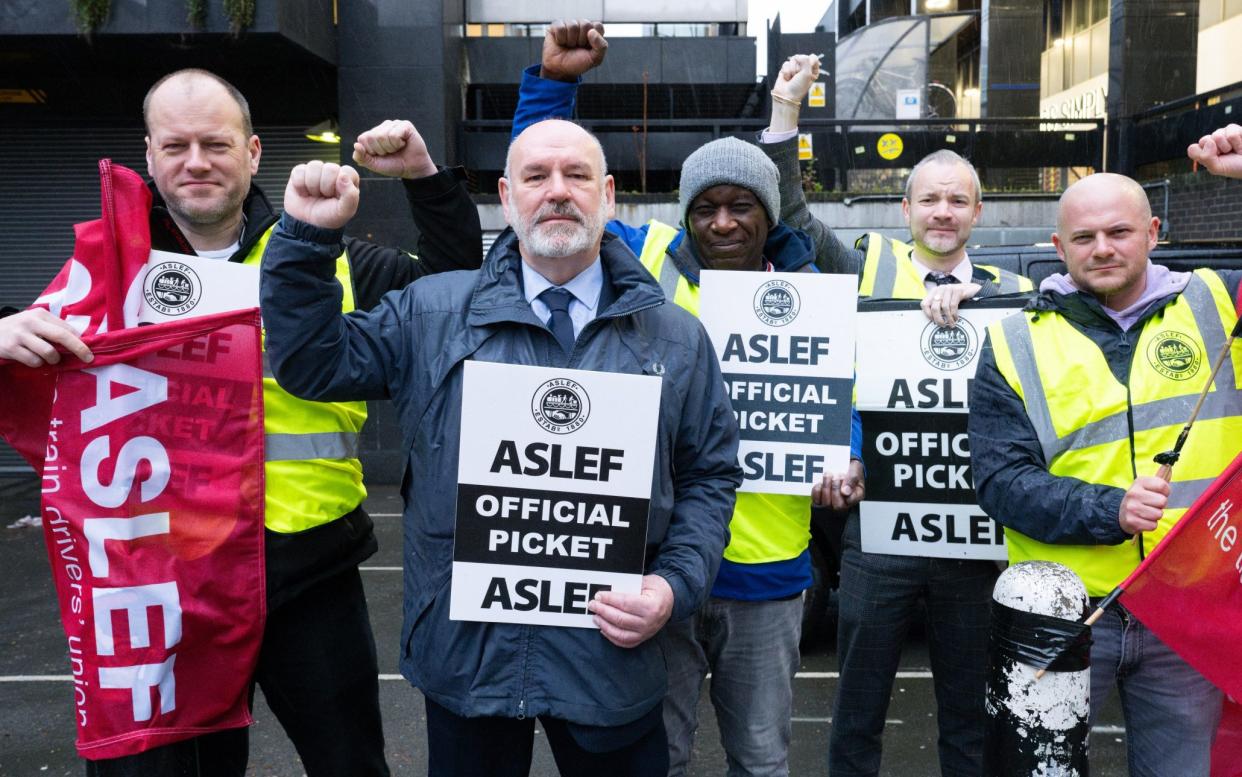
[(557, 240)]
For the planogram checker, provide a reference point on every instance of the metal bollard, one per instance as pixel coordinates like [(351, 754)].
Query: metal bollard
[(1036, 727)]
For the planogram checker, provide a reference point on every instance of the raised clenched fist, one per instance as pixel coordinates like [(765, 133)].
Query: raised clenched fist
[(322, 194), (796, 76), (571, 47), (1220, 152), (394, 148)]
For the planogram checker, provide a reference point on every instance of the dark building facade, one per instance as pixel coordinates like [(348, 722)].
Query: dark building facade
[(990, 77)]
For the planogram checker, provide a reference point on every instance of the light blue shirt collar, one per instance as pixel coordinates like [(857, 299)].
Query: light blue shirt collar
[(586, 287)]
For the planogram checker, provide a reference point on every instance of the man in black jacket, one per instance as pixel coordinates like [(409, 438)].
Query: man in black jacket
[(317, 665)]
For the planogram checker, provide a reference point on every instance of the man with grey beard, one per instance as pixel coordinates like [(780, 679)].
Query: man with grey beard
[(553, 292)]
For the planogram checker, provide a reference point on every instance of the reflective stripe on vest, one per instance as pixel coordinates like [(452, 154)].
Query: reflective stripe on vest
[(1092, 428), (312, 472), (677, 288), (888, 272), (765, 527)]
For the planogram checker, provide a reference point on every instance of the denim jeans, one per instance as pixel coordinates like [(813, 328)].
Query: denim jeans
[(751, 650), (879, 599), (1171, 711)]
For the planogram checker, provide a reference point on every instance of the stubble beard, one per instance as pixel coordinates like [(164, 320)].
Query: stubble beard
[(941, 246), (205, 215)]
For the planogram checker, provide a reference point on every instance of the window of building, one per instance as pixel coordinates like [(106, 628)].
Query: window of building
[(1077, 43), (1216, 11)]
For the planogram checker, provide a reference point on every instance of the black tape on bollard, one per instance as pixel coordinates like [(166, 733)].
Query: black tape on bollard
[(1041, 641)]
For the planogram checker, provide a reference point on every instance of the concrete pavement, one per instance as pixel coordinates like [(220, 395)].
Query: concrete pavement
[(36, 726)]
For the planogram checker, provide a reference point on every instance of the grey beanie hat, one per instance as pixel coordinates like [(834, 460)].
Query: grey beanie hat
[(731, 161)]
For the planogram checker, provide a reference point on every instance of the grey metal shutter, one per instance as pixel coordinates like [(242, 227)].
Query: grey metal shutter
[(49, 181)]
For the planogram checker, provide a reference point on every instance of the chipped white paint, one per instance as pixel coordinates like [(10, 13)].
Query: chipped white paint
[(1043, 713)]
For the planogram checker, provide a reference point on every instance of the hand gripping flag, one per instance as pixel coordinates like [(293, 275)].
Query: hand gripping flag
[(151, 462)]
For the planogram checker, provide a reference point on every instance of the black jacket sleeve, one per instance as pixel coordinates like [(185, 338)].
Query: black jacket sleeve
[(831, 255), (449, 239), (1012, 480), (1232, 279)]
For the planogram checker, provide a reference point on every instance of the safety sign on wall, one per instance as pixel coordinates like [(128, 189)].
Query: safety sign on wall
[(806, 147), (786, 347), (554, 484), (913, 380)]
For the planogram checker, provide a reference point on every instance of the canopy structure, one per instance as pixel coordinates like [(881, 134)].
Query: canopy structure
[(875, 61)]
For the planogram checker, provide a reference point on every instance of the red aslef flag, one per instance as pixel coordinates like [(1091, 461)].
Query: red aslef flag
[(1189, 590), (151, 459), (1189, 593), (1227, 749)]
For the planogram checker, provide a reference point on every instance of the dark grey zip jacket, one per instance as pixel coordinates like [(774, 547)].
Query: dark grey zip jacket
[(411, 349)]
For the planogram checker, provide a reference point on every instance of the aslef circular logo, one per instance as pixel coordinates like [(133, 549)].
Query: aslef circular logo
[(561, 406), (949, 347), (172, 288), (1174, 355), (777, 303)]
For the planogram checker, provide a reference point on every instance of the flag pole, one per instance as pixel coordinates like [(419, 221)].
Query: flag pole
[(1166, 460)]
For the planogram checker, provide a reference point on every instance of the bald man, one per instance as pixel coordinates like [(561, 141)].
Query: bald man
[(317, 666), (1073, 398), (554, 291)]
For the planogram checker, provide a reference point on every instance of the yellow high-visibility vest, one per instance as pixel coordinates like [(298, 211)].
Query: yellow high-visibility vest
[(764, 527), (1098, 430), (888, 272), (311, 467)]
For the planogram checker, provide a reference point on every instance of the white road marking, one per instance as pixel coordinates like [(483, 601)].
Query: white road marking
[(890, 722)]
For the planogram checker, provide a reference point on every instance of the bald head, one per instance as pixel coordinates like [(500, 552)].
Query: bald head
[(558, 133), (1101, 190), (201, 154), (1105, 233), (191, 84)]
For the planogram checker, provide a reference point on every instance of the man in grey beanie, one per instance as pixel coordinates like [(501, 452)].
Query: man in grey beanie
[(747, 634)]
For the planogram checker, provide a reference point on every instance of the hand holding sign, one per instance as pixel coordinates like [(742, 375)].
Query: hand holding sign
[(840, 491), (628, 620), (942, 302), (322, 194), (394, 148), (31, 337)]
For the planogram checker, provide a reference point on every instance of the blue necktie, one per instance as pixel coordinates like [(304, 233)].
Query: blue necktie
[(559, 323)]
